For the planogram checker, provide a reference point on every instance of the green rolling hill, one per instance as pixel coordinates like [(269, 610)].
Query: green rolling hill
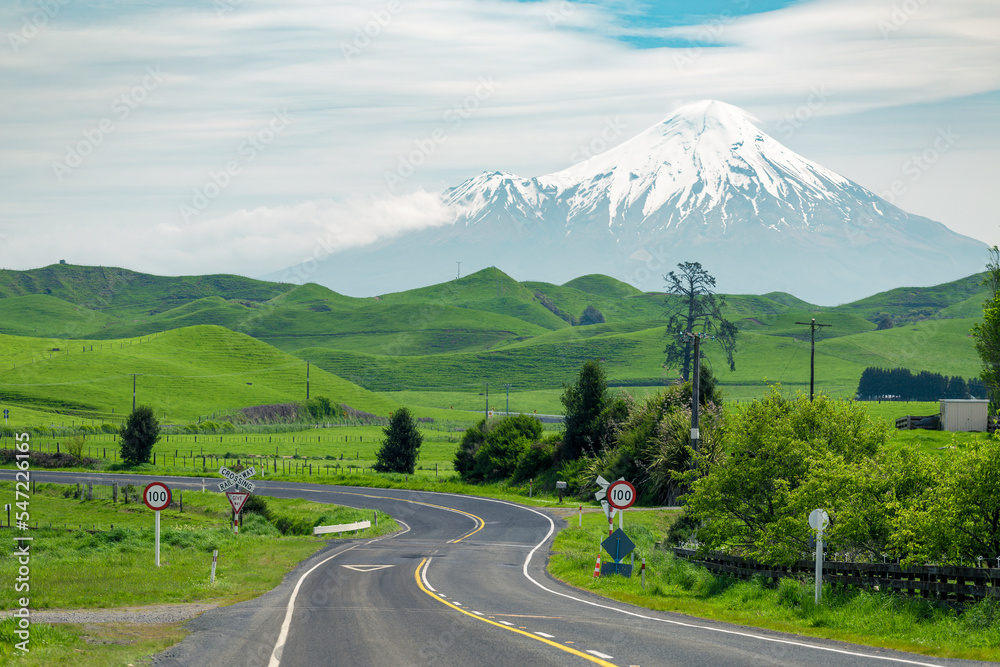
[(184, 373), (197, 341)]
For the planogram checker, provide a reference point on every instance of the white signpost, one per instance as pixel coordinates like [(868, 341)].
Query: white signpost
[(237, 498), (818, 521), (156, 495)]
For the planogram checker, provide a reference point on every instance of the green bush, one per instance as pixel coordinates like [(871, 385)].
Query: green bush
[(507, 440), (465, 457), (537, 459), (783, 461), (257, 505)]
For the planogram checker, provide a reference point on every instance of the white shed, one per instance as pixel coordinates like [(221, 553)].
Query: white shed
[(963, 414)]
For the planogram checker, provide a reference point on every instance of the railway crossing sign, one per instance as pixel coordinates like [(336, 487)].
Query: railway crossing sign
[(239, 479), (602, 497), (237, 499)]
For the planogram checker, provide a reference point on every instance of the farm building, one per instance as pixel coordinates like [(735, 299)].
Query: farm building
[(963, 414)]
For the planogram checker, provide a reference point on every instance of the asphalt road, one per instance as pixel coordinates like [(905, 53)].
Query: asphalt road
[(463, 584)]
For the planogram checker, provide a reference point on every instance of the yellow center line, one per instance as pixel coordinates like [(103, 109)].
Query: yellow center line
[(561, 647)]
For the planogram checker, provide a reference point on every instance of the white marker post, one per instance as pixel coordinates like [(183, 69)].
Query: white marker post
[(818, 520), (156, 495)]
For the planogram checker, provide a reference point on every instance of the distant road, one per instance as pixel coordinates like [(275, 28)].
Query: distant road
[(464, 583), (545, 419)]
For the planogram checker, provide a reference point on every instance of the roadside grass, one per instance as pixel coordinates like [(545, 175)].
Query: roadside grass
[(93, 644), (101, 566), (106, 568), (854, 615)]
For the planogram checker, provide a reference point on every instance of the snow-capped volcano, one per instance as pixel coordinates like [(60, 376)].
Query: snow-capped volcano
[(705, 185)]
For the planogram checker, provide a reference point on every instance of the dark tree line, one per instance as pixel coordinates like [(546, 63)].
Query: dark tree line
[(900, 383)]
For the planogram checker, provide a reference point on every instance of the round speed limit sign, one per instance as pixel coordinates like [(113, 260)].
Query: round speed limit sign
[(621, 495), (156, 496)]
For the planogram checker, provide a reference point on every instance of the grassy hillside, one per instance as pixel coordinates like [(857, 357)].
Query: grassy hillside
[(489, 290), (44, 315), (184, 374), (601, 285), (124, 292), (452, 337), (960, 298)]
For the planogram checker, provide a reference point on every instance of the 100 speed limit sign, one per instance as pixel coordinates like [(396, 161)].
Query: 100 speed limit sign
[(156, 496), (621, 495)]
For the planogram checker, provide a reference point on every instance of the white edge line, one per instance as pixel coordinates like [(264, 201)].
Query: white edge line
[(602, 656), (776, 640), (423, 574), (279, 645)]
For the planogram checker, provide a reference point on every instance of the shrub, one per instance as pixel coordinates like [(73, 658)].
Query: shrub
[(506, 441), (74, 446), (138, 435), (536, 459), (754, 502), (257, 505), (465, 457)]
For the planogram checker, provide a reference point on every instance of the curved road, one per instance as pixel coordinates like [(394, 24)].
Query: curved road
[(463, 583)]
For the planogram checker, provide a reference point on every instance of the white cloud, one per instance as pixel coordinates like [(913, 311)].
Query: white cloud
[(559, 78), (266, 239)]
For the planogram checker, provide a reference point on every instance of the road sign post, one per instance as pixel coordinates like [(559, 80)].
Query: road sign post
[(819, 520), (156, 495), (237, 499), (618, 545)]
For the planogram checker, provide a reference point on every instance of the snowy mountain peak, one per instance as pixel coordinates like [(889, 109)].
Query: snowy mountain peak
[(704, 184), (697, 159)]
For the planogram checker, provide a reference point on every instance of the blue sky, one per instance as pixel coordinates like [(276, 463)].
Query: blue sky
[(231, 135)]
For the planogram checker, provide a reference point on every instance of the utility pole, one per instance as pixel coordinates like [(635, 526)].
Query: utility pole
[(307, 380), (812, 356), (133, 392), (695, 388), (487, 413), (458, 272), (508, 397)]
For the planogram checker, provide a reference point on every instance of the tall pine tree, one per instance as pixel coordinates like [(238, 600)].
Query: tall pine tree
[(401, 446), (694, 307)]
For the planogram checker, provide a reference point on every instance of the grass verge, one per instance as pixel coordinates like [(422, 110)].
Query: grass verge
[(91, 565), (854, 615)]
